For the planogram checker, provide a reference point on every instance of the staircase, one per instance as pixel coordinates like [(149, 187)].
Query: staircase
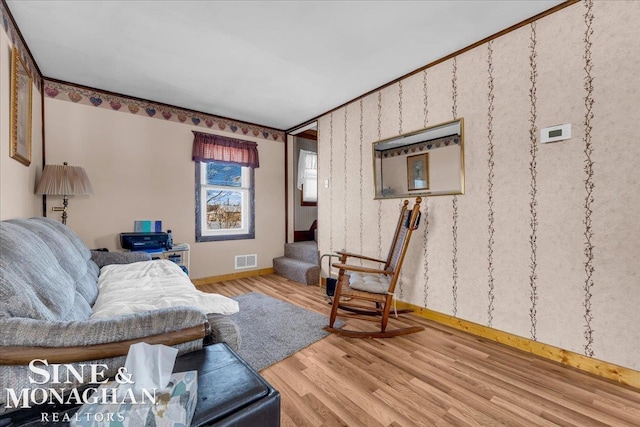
[(300, 263)]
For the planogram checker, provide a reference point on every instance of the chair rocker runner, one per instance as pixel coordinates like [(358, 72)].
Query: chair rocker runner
[(367, 293)]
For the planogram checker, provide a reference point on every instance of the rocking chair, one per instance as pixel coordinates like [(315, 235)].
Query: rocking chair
[(367, 293)]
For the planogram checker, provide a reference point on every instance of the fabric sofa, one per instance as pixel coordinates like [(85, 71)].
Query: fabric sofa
[(48, 285)]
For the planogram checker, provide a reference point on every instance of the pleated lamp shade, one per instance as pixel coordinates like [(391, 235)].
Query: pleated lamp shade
[(64, 180)]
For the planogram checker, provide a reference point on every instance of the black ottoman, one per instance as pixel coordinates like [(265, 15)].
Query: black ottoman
[(230, 392)]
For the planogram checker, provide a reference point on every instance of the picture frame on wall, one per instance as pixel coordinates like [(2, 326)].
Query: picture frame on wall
[(20, 122), (418, 172)]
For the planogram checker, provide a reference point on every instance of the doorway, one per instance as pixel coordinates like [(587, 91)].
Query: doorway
[(302, 209)]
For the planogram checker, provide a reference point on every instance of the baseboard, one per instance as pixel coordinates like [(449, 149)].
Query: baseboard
[(597, 367), (232, 276)]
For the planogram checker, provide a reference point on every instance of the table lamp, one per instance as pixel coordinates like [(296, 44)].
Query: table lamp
[(64, 180)]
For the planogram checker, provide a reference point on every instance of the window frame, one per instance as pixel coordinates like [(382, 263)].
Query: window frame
[(250, 234), (309, 182), (303, 177)]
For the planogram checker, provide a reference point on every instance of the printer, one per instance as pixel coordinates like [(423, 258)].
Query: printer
[(151, 242)]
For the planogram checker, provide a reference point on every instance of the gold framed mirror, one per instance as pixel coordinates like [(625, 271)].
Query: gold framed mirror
[(427, 162), (21, 86)]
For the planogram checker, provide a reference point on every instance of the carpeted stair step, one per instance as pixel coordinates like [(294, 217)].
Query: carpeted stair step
[(303, 251), (297, 270)]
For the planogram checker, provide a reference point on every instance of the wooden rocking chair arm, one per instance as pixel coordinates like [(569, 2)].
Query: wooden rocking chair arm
[(360, 269), (352, 255)]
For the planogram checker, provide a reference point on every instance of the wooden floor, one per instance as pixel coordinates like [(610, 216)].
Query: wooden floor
[(438, 377)]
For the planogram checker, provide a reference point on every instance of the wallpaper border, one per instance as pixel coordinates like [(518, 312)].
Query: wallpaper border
[(102, 99), (432, 144)]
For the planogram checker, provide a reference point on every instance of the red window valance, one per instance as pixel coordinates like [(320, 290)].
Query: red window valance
[(209, 148)]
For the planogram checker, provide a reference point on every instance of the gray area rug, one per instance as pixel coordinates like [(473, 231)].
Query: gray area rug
[(272, 330)]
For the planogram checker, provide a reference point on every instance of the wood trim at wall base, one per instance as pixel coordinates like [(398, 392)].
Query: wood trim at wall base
[(597, 367), (214, 279)]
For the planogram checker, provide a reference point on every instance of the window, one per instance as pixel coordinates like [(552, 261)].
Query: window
[(224, 187), (308, 177), (224, 201)]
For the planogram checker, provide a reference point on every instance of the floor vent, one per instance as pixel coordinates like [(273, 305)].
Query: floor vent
[(246, 261)]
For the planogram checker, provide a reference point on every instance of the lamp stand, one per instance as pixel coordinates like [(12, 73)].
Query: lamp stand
[(63, 209)]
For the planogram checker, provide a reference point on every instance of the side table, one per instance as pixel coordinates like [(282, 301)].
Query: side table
[(180, 253)]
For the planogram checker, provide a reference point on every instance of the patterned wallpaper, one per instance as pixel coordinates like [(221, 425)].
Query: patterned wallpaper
[(544, 242)]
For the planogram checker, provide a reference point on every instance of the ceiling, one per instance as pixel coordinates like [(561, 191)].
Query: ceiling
[(272, 63)]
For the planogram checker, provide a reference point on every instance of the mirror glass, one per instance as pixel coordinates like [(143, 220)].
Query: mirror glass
[(428, 162)]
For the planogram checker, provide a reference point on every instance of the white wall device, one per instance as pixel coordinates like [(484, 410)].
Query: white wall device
[(555, 133)]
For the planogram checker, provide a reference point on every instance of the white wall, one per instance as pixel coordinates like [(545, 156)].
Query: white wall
[(17, 181), (141, 168)]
